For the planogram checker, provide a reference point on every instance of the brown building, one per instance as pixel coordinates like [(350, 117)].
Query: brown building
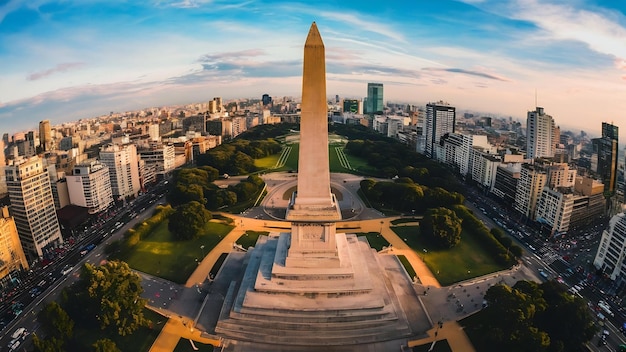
[(12, 258)]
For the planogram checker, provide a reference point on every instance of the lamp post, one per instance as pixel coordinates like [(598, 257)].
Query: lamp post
[(202, 249)]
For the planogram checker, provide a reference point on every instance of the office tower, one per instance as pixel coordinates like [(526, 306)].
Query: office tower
[(351, 106), (89, 186), (605, 151), (218, 104), (612, 250), (554, 209), (122, 161), (540, 135), (529, 187), (374, 99), (12, 258), (45, 135), (266, 99), (162, 156), (32, 206), (440, 119)]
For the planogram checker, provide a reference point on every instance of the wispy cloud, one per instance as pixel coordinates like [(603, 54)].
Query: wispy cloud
[(232, 55), (367, 25), (467, 72), (64, 67), (184, 4)]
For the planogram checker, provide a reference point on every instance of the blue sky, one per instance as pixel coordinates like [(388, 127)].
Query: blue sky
[(65, 60)]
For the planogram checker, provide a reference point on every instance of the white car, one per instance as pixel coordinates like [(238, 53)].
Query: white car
[(18, 333), (66, 270)]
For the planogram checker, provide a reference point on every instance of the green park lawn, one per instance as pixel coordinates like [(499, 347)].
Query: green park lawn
[(440, 346), (249, 239), (185, 346), (464, 261), (140, 340), (268, 162), (375, 240), (161, 255)]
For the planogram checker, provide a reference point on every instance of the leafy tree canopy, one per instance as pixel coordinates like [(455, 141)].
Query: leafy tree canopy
[(188, 219), (443, 226)]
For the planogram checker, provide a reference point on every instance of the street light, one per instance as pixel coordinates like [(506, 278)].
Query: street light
[(202, 248)]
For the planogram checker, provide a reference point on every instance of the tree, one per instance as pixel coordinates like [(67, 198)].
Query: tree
[(188, 219), (56, 321), (49, 344), (566, 318), (105, 345), (532, 317), (110, 296), (443, 226)]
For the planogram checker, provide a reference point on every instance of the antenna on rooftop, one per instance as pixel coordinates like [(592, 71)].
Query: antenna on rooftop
[(535, 98)]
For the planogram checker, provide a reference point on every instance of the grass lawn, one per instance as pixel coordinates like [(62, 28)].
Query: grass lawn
[(161, 255), (375, 239), (140, 340), (292, 160), (466, 260), (185, 346), (440, 346), (407, 266), (404, 221), (268, 162), (250, 237)]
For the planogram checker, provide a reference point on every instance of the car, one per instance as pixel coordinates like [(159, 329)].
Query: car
[(18, 333), (14, 345), (66, 269)]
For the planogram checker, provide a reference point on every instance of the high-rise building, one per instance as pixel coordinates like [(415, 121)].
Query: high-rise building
[(266, 99), (612, 250), (89, 186), (605, 151), (529, 187), (162, 156), (32, 206), (122, 161), (440, 119), (351, 106), (540, 135), (45, 135), (12, 258), (374, 99)]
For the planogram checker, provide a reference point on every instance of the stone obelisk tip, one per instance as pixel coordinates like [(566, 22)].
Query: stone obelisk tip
[(314, 38)]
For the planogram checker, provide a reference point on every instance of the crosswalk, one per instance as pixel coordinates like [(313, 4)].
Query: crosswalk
[(548, 255)]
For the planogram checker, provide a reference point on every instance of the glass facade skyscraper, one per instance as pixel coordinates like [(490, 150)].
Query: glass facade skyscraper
[(374, 98)]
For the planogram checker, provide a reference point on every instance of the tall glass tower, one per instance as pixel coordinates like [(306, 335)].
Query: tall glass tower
[(374, 98)]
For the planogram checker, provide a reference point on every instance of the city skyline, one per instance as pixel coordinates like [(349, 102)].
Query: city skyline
[(68, 60)]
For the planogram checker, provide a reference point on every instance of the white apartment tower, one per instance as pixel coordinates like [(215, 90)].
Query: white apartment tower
[(123, 164), (32, 205), (612, 249), (540, 135), (90, 187), (440, 119), (529, 188)]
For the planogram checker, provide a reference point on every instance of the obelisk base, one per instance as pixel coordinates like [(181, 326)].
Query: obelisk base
[(313, 245)]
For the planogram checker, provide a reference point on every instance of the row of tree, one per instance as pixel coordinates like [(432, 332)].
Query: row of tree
[(403, 194), (494, 241), (531, 317), (196, 184), (393, 158), (237, 157), (105, 298)]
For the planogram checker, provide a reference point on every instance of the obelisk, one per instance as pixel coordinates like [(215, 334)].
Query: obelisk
[(313, 209)]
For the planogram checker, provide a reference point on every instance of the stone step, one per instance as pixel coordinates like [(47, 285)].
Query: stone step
[(323, 337), (321, 322)]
